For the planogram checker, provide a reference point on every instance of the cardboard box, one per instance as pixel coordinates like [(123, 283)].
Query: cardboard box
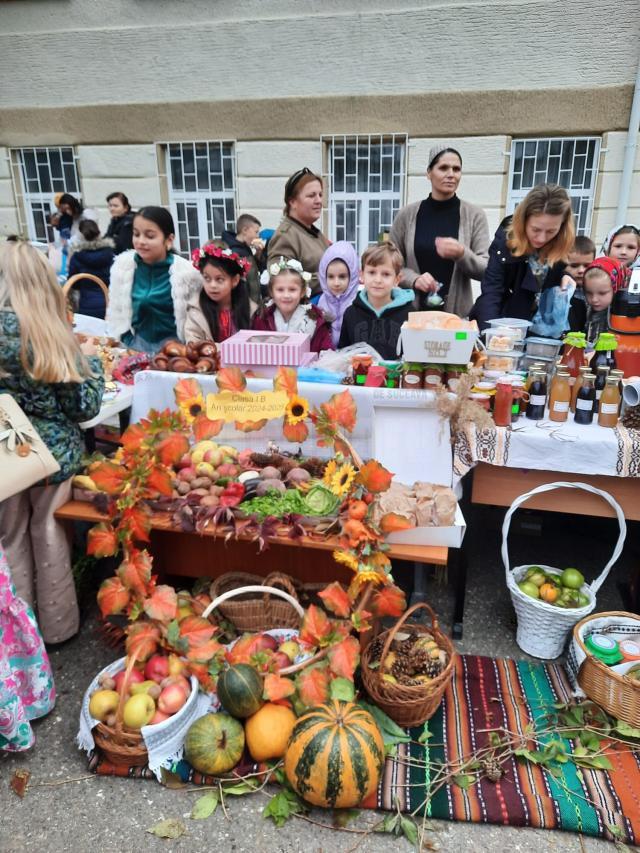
[(437, 346), (268, 371), (250, 347), (450, 536)]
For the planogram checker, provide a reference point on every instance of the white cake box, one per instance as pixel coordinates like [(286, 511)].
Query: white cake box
[(437, 346), (450, 537), (249, 347)]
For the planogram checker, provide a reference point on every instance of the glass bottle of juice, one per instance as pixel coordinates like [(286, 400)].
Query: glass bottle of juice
[(605, 351), (585, 400), (573, 354), (537, 396), (619, 374), (560, 397), (502, 404), (533, 368), (601, 380), (577, 384), (609, 403)]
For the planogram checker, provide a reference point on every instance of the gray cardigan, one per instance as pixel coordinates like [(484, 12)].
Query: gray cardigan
[(474, 236)]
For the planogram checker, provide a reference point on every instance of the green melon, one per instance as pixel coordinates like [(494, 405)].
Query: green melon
[(214, 744), (240, 690)]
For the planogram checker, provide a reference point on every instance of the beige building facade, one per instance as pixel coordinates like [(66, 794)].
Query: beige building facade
[(208, 107)]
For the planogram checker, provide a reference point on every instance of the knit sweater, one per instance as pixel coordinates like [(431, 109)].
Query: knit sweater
[(474, 236)]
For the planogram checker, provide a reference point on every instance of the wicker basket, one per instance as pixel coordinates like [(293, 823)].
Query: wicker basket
[(81, 277), (261, 604), (616, 693), (409, 706), (543, 628), (256, 612)]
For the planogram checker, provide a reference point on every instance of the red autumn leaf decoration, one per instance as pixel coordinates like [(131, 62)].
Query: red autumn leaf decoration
[(196, 630), (336, 600), (137, 520), (113, 597), (231, 379), (162, 604), (277, 687), (171, 449), (102, 540), (201, 672), (108, 477), (344, 657), (389, 601), (374, 477), (186, 389), (296, 433), (316, 627), (360, 621), (135, 572), (134, 436), (313, 685), (392, 521), (142, 638), (204, 652), (286, 379), (251, 426), (159, 481), (342, 410), (203, 427)]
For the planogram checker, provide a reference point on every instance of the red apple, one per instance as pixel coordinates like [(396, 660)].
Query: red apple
[(183, 683), (187, 474), (176, 666), (157, 668), (282, 660), (135, 677), (185, 461), (172, 699), (158, 717), (266, 641)]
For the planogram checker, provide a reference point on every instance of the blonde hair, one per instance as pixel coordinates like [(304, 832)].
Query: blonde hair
[(49, 351), (382, 252), (550, 199)]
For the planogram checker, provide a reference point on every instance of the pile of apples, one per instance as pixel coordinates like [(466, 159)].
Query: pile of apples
[(205, 471), (263, 652), (153, 694)]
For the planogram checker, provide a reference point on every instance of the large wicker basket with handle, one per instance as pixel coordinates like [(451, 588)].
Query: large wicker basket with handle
[(252, 608), (408, 705), (261, 602), (543, 628)]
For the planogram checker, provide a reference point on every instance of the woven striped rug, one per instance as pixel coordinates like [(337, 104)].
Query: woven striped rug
[(485, 694)]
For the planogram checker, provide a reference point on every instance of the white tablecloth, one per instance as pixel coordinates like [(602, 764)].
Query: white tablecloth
[(401, 428), (547, 446)]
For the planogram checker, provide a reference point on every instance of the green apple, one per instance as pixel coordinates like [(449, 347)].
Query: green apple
[(103, 703), (143, 687), (138, 711)]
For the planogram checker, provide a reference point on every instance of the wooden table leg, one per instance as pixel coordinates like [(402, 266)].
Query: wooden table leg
[(458, 573)]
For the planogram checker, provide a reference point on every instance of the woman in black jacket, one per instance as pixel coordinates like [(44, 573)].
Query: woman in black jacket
[(91, 255), (528, 255), (120, 228)]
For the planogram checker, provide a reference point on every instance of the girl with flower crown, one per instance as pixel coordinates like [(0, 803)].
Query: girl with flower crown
[(288, 308), (222, 307)]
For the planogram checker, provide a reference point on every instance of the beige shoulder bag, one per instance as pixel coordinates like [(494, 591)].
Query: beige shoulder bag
[(24, 457)]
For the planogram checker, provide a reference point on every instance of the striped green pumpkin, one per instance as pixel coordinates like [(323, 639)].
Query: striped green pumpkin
[(335, 755), (239, 690)]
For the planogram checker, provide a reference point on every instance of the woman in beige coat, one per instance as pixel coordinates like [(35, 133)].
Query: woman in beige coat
[(444, 240)]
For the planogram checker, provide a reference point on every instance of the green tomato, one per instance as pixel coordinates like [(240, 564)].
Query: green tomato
[(572, 579), (529, 589), (583, 600), (536, 575)]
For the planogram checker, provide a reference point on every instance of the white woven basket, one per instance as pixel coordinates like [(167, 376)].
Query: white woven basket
[(543, 628)]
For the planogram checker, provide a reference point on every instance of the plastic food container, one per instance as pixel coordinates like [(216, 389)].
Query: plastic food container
[(528, 360), (514, 323), (503, 339), (506, 362), (544, 347)]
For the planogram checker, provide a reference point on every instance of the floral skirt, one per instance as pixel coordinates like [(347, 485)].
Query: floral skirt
[(26, 681)]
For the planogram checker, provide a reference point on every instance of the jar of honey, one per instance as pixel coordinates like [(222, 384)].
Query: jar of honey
[(609, 403), (559, 397), (412, 376)]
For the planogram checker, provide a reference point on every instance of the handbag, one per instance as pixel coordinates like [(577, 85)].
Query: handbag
[(24, 457)]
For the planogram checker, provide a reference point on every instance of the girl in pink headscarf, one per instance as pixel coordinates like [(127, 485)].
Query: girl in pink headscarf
[(602, 278), (338, 273)]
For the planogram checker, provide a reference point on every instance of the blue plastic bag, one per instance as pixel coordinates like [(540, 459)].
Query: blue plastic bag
[(552, 317)]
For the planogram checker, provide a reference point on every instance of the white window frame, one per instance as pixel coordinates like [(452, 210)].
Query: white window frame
[(582, 192), (29, 198), (360, 204), (200, 199)]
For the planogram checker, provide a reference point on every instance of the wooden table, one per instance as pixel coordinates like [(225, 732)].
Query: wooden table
[(194, 555)]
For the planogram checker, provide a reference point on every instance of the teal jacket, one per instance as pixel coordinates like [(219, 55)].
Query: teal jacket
[(153, 317), (54, 409)]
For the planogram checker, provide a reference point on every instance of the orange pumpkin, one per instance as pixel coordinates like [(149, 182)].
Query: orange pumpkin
[(549, 592)]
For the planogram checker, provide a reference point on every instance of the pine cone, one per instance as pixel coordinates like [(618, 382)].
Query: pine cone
[(492, 769), (401, 666), (631, 418), (420, 660), (408, 681), (375, 649), (314, 466), (433, 668), (405, 647)]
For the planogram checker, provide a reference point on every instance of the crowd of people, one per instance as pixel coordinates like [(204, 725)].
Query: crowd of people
[(297, 282)]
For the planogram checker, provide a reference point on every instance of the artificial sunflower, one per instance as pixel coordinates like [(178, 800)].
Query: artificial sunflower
[(297, 410), (366, 576), (347, 559), (338, 477), (192, 406)]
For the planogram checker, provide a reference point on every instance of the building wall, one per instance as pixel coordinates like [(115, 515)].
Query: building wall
[(8, 209)]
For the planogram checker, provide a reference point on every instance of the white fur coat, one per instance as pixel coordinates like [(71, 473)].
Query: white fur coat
[(185, 282)]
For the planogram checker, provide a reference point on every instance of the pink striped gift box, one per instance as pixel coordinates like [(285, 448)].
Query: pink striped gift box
[(252, 347)]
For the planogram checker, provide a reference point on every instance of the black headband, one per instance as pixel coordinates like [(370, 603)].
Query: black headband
[(293, 181)]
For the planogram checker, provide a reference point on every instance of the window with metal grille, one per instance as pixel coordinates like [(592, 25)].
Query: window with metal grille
[(43, 173), (366, 180), (201, 179), (572, 163)]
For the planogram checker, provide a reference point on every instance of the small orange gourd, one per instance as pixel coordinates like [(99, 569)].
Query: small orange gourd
[(549, 592)]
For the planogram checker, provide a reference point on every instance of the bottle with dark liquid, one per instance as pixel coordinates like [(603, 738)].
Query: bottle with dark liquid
[(578, 385), (605, 351), (601, 380), (537, 396), (585, 400)]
